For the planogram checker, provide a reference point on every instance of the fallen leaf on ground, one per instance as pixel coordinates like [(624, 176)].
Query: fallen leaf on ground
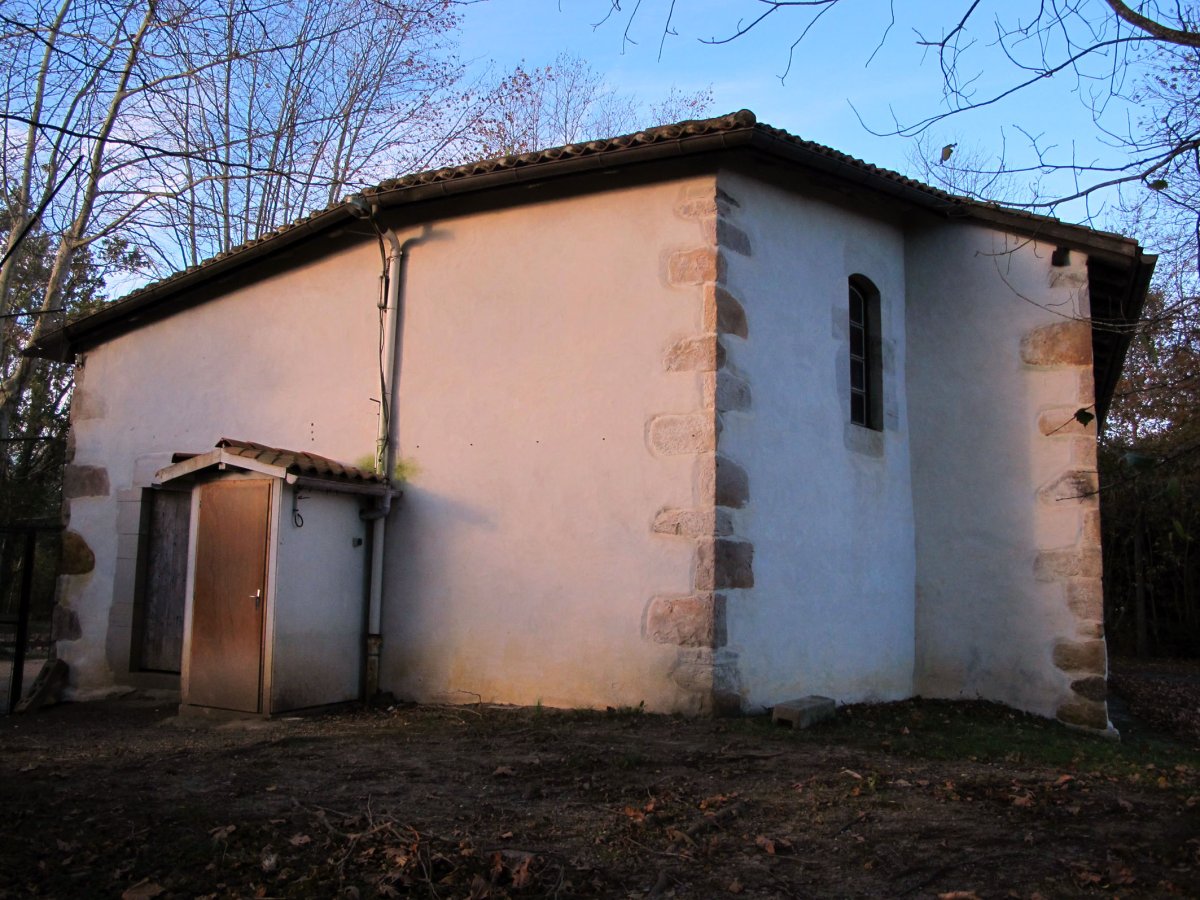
[(504, 772), (520, 873), (143, 890), (773, 845)]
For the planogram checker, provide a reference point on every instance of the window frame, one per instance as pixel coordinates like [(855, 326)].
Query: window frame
[(865, 345)]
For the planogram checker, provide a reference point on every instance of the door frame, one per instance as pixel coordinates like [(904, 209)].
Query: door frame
[(268, 630)]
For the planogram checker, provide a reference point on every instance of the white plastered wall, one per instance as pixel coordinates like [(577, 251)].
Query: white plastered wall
[(521, 557), (984, 472), (288, 361), (829, 511)]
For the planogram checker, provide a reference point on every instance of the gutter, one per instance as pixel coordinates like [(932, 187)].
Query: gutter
[(385, 459)]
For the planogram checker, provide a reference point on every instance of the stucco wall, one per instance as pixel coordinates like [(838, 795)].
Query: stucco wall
[(829, 512), (633, 474), (999, 359), (287, 362), (522, 557), (532, 364)]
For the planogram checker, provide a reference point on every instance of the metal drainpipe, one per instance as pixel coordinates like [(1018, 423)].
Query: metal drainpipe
[(385, 461)]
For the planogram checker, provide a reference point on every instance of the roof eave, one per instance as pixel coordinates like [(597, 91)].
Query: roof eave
[(1108, 246), (63, 344), (736, 131)]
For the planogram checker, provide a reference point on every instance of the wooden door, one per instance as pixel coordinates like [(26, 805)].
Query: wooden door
[(164, 580), (225, 657)]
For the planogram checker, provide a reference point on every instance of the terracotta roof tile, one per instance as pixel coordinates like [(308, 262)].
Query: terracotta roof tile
[(735, 129), (297, 462)]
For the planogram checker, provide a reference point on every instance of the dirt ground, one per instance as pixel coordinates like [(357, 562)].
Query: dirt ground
[(918, 799)]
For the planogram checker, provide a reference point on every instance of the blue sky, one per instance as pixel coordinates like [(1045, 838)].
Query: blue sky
[(832, 68)]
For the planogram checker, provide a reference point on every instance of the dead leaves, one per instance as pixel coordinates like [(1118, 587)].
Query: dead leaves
[(771, 846), (143, 890), (1166, 700)]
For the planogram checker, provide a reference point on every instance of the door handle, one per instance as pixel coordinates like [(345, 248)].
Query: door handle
[(257, 597)]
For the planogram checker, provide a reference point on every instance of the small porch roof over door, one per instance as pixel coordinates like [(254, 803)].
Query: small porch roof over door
[(293, 466)]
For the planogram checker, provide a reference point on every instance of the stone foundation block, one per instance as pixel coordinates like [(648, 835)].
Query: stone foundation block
[(724, 564), (1087, 388), (712, 675), (724, 313), (693, 669), (85, 481), (733, 393), (1077, 485), (1085, 598), (1091, 630), (691, 621), (1084, 714), (730, 237), (692, 267), (695, 354), (697, 207), (694, 522), (1052, 565), (1085, 657), (725, 482), (672, 435), (1060, 344), (1093, 688), (77, 557), (803, 712), (726, 202), (1091, 527)]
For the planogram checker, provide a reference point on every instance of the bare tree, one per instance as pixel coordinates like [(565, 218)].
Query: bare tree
[(291, 137), (1091, 43), (158, 132), (564, 103)]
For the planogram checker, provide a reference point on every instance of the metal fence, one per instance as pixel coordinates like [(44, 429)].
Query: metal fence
[(29, 553)]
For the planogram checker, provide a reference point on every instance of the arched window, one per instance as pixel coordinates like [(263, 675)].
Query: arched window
[(866, 370)]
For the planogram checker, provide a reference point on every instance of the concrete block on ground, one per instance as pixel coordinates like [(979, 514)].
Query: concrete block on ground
[(803, 712)]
